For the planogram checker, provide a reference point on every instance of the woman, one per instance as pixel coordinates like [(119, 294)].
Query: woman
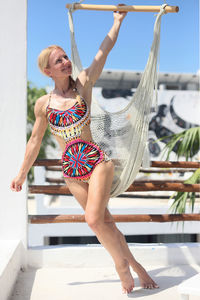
[(87, 169)]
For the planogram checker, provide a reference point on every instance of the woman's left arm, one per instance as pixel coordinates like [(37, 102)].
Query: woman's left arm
[(94, 71)]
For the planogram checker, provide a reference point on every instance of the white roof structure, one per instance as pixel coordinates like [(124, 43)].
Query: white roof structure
[(113, 79)]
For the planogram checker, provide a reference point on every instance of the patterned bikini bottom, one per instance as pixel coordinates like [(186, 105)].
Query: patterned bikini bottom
[(80, 158)]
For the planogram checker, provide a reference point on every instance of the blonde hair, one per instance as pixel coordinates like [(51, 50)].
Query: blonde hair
[(43, 58)]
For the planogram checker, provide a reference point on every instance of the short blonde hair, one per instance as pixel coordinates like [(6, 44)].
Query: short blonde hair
[(43, 58)]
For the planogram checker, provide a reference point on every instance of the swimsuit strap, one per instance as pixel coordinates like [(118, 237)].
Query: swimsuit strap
[(78, 96), (49, 101)]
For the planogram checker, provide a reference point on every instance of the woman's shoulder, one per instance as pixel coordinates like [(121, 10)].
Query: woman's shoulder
[(42, 100), (41, 103)]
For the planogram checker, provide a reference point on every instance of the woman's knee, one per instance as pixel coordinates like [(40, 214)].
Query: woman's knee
[(95, 220)]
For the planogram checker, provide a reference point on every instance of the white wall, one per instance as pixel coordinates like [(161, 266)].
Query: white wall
[(13, 212)]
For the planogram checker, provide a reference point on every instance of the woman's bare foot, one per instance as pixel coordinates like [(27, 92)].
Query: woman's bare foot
[(125, 276), (145, 280)]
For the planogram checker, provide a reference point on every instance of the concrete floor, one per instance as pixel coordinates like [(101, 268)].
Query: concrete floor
[(97, 283)]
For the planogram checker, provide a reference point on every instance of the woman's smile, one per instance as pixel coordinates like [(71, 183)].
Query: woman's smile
[(67, 68)]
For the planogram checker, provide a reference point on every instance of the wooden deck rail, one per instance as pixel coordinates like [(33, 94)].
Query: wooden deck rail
[(130, 8), (136, 182), (138, 185), (142, 170), (154, 164), (43, 219)]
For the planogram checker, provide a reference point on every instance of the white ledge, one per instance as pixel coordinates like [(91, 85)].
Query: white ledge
[(11, 260), (86, 255)]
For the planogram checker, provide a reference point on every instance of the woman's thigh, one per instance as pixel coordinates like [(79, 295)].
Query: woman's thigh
[(79, 190), (99, 188)]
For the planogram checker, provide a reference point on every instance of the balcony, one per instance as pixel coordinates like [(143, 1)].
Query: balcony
[(87, 271)]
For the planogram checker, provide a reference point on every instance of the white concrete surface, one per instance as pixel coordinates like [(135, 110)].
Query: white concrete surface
[(11, 260), (87, 256), (190, 287), (97, 283), (87, 272)]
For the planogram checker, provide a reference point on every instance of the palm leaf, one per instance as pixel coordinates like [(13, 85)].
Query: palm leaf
[(192, 201), (180, 198), (188, 142)]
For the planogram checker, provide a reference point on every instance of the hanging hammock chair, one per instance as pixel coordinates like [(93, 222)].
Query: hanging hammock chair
[(123, 135)]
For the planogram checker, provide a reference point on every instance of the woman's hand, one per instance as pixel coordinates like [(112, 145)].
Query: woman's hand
[(119, 15), (16, 184)]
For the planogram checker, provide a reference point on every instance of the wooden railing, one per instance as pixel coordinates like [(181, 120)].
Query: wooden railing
[(138, 185)]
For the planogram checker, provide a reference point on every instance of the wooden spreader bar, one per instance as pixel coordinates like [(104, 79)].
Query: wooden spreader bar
[(43, 219), (130, 8)]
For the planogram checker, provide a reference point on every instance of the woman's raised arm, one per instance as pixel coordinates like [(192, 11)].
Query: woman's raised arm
[(94, 71), (33, 145)]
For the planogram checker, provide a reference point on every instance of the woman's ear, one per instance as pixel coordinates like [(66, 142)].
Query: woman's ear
[(47, 72)]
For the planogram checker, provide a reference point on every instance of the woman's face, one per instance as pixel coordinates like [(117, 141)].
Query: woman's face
[(59, 65)]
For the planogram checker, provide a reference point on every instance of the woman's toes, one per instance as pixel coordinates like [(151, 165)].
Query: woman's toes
[(151, 286)]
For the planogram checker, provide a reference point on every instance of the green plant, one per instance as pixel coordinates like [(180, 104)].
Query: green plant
[(180, 198), (187, 141), (188, 144)]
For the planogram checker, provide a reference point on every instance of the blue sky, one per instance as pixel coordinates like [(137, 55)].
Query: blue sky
[(179, 49)]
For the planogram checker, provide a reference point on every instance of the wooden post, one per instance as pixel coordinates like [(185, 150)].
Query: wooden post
[(128, 8)]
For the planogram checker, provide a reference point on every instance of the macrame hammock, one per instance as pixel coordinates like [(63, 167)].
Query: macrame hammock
[(123, 135)]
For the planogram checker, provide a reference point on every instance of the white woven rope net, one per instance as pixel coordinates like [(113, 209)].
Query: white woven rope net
[(123, 134)]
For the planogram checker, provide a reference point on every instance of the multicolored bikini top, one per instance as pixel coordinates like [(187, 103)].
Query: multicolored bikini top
[(69, 123)]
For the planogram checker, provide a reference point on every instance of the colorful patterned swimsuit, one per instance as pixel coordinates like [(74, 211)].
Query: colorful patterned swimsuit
[(79, 157)]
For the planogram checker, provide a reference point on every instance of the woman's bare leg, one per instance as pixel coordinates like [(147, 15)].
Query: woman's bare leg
[(145, 280), (98, 197), (80, 191)]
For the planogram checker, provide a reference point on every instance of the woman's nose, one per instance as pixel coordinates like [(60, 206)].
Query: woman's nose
[(65, 60)]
